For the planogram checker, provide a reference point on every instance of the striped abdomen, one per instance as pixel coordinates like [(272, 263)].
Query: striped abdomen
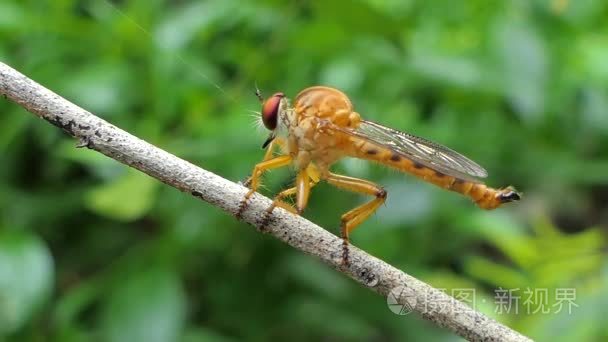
[(484, 196)]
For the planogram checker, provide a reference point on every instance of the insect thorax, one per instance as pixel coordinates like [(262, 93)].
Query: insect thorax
[(311, 126)]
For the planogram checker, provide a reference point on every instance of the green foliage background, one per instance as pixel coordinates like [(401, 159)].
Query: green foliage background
[(90, 250)]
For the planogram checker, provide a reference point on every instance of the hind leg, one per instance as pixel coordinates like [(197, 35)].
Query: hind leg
[(351, 219)]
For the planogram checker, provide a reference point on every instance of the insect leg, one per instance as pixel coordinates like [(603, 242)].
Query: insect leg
[(278, 201), (267, 156), (258, 170), (305, 180), (269, 150), (302, 190), (356, 216)]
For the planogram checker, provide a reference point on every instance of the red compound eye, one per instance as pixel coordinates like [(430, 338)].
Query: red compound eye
[(270, 110)]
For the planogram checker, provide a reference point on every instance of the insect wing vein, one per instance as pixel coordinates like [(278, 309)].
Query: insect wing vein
[(429, 154)]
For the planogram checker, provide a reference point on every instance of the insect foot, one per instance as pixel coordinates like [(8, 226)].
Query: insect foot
[(246, 182), (345, 253), (243, 205), (266, 220)]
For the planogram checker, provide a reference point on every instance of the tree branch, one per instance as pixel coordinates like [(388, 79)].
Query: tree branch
[(97, 134)]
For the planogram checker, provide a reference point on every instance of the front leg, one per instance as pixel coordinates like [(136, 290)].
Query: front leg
[(269, 154), (258, 170)]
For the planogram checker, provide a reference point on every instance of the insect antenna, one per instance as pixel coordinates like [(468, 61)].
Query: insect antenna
[(258, 93)]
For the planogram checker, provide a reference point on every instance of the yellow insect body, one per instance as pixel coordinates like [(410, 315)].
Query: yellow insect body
[(322, 127)]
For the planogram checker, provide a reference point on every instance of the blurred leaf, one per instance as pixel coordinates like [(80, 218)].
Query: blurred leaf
[(523, 59), (410, 202), (579, 12), (456, 71), (11, 15), (26, 278), (395, 8), (100, 88), (13, 125), (494, 273), (148, 305), (126, 198), (184, 22), (594, 104), (315, 275), (343, 74), (546, 259), (508, 236), (103, 166), (311, 313), (205, 335), (593, 54)]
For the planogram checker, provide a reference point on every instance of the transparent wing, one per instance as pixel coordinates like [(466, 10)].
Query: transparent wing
[(427, 153)]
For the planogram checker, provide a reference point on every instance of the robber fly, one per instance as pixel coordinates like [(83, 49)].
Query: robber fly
[(322, 127)]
